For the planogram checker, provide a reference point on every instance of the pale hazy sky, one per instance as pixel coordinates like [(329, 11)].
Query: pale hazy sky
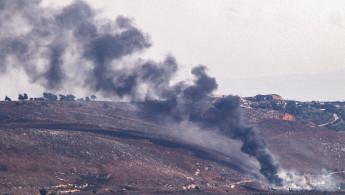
[(292, 48)]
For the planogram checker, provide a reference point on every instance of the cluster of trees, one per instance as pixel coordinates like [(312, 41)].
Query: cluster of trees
[(329, 107), (68, 97), (291, 107), (52, 97), (87, 99), (296, 108), (23, 96), (260, 97), (342, 113)]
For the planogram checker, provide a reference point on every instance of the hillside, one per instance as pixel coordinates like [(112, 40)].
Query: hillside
[(108, 147)]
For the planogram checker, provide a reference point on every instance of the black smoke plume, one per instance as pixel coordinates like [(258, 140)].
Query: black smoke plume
[(55, 46), (225, 115), (54, 74)]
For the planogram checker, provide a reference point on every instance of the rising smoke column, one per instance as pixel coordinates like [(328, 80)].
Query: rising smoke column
[(49, 40), (225, 115), (54, 74)]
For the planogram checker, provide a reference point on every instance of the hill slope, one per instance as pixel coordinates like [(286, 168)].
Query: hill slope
[(109, 147)]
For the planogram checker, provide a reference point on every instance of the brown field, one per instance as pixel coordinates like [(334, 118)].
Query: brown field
[(86, 147)]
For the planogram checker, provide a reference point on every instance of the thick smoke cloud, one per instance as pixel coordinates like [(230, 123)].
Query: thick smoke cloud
[(50, 34), (203, 86), (51, 40), (225, 115)]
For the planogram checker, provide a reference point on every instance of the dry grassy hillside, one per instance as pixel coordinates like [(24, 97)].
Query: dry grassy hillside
[(106, 147)]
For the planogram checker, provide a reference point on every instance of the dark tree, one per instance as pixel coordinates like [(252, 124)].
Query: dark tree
[(342, 113), (23, 96), (43, 191), (260, 97), (93, 97), (8, 99), (80, 99), (20, 97), (315, 104), (277, 105), (39, 99), (50, 96), (293, 108), (63, 97), (330, 108), (70, 97), (87, 99)]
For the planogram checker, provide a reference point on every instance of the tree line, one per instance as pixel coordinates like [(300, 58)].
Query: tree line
[(52, 97)]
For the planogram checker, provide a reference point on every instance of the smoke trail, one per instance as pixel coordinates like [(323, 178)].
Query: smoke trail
[(51, 41), (54, 74), (225, 115)]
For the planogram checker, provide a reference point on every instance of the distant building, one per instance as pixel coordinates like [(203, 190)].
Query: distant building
[(277, 97), (218, 96), (260, 97)]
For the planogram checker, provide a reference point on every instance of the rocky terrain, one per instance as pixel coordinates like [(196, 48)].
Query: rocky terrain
[(310, 135), (107, 147)]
